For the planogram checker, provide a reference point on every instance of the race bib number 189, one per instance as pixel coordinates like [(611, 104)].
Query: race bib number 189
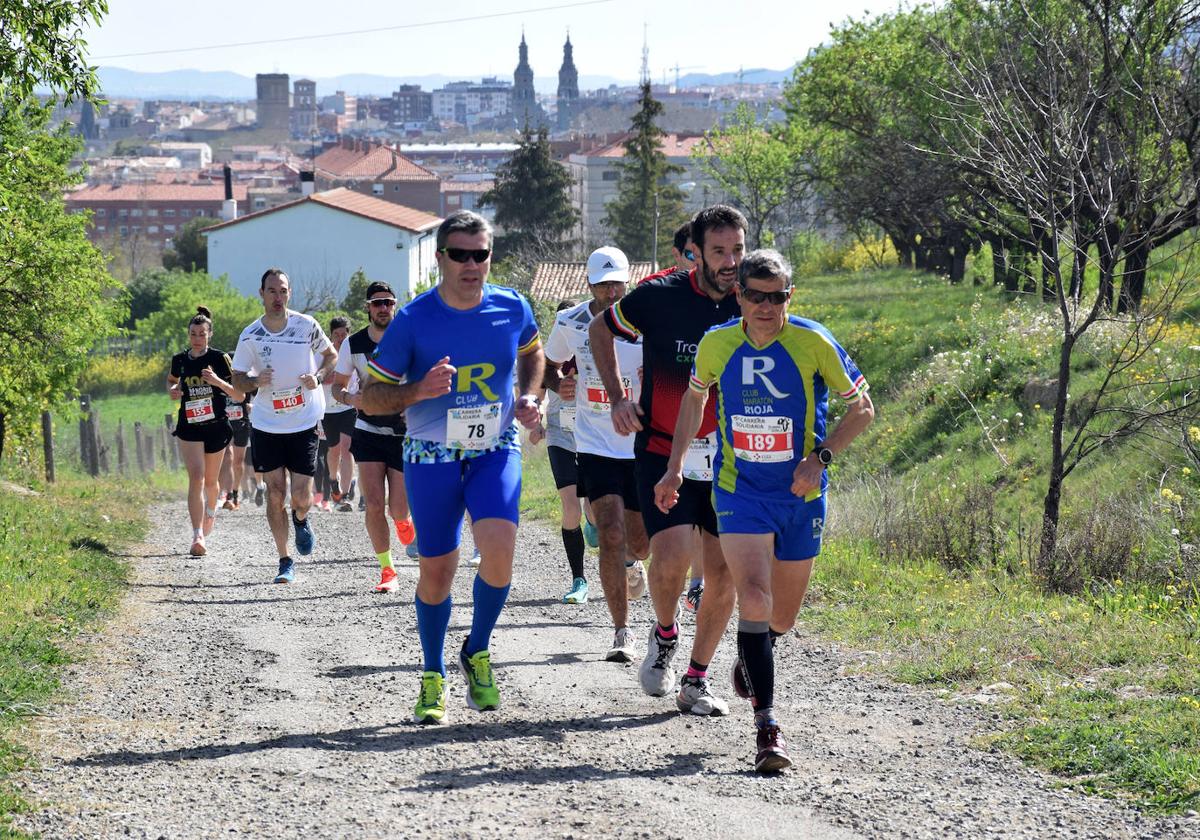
[(476, 427), (763, 440)]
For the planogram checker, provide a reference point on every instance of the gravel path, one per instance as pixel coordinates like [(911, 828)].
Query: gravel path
[(216, 703)]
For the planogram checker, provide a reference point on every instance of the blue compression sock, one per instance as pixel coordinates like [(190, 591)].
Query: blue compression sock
[(489, 601), (432, 622)]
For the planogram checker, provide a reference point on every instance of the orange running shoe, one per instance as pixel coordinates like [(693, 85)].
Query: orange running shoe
[(405, 531), (198, 548), (387, 580)]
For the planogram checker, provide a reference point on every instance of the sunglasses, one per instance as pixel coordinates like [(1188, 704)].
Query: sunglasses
[(755, 296), (461, 255), (381, 302)]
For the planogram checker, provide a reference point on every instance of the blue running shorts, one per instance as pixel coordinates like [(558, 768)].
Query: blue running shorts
[(487, 486), (797, 526)]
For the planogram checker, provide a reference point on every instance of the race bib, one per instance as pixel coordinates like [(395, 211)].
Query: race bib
[(764, 440), (288, 401), (597, 394), (199, 411), (698, 462), (476, 427), (234, 411), (566, 417)]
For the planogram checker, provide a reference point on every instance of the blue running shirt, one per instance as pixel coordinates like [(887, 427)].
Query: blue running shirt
[(483, 344), (772, 402)]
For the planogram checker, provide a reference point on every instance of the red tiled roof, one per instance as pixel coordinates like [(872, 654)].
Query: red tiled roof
[(349, 201), (370, 163), (554, 281), (673, 145), (155, 192)]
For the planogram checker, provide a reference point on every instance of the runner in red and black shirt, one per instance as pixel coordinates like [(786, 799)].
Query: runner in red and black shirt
[(671, 314)]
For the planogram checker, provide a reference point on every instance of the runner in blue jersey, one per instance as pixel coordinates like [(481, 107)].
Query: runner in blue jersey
[(450, 360), (773, 374)]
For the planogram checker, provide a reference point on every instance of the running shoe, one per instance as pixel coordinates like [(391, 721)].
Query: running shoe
[(578, 593), (362, 503), (198, 549), (431, 702), (405, 531), (655, 673), (590, 535), (741, 686), (387, 580), (695, 698), (624, 647), (474, 560), (287, 570), (353, 487), (411, 551), (482, 694), (344, 506), (772, 750), (635, 580), (304, 537), (258, 495), (231, 501), (210, 521), (692, 600)]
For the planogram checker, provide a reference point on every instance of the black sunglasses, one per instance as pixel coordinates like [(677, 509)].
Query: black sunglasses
[(461, 255), (382, 302), (774, 298)]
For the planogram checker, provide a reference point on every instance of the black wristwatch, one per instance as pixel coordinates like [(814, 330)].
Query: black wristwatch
[(824, 455)]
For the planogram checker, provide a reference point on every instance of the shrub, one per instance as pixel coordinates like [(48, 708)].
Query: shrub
[(106, 376)]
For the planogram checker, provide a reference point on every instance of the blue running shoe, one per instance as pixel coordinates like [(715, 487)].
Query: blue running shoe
[(304, 536), (590, 535), (287, 570), (411, 552)]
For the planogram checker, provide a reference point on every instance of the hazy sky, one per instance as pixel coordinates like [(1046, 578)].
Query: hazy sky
[(468, 38)]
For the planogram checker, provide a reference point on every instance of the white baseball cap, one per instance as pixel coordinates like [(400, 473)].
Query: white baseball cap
[(608, 265)]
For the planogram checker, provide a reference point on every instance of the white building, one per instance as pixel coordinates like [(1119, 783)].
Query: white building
[(468, 103), (322, 239), (191, 155)]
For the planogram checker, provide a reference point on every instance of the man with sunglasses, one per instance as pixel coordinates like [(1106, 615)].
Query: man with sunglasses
[(376, 442), (671, 314), (773, 373), (449, 360), (681, 252)]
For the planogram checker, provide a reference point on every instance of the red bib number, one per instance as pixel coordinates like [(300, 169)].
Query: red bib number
[(286, 402), (763, 440)]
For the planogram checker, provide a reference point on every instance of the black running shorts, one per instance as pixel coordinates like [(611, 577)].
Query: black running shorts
[(562, 467), (214, 435), (600, 476), (295, 452), (695, 505), (371, 447), (241, 432), (337, 424)]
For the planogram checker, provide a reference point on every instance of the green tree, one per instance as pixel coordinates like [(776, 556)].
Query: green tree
[(759, 169), (231, 310), (532, 197), (56, 298), (645, 197), (357, 292), (189, 249), (41, 44), (144, 293)]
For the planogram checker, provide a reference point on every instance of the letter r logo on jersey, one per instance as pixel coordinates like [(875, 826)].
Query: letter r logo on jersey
[(477, 375), (757, 367)]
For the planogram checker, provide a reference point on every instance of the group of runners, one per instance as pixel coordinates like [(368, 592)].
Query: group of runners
[(686, 415)]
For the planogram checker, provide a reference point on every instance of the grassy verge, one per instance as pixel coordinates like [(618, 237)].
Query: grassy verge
[(1103, 689), (60, 569)]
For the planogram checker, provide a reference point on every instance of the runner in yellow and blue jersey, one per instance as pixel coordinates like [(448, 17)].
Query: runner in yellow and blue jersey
[(448, 360), (774, 374)]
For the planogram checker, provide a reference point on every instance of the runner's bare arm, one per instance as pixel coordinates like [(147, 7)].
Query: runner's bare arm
[(313, 381), (338, 389), (379, 397), (691, 412), (174, 390), (625, 412), (210, 376), (531, 369), (244, 382), (807, 476)]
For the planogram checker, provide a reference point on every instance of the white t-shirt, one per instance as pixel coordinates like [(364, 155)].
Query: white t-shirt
[(332, 406), (594, 432), (284, 406)]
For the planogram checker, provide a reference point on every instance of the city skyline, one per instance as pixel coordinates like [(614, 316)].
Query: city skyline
[(607, 35)]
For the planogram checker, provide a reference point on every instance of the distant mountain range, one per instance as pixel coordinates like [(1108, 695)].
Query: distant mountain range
[(208, 84)]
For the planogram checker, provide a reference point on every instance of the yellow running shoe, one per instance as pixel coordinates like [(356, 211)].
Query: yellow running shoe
[(431, 704)]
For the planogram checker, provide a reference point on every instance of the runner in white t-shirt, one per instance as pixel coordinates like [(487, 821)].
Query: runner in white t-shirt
[(338, 424), (604, 458), (277, 355)]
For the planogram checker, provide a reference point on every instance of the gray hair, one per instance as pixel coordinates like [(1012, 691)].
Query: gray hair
[(765, 264), (464, 221)]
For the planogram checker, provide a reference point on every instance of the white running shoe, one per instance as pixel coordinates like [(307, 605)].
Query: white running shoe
[(655, 673), (474, 560), (695, 698), (624, 647), (635, 580)]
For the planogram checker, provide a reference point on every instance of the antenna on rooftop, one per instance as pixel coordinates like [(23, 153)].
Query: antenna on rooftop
[(645, 54)]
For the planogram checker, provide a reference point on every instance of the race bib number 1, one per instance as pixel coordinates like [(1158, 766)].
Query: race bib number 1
[(476, 427), (199, 411), (763, 440), (698, 462), (287, 401)]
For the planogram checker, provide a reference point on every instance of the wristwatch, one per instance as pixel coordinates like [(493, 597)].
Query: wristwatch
[(824, 455)]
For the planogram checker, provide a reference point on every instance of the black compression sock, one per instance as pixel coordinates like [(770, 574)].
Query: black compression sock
[(573, 543), (758, 662)]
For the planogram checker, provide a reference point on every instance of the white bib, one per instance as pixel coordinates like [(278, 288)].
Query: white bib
[(698, 462), (476, 427), (762, 439), (597, 394), (199, 411), (566, 417), (288, 400), (233, 411)]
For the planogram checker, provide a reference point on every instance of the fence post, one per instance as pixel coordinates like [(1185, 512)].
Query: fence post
[(149, 438), (140, 445), (172, 444), (99, 448), (48, 445), (122, 455)]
